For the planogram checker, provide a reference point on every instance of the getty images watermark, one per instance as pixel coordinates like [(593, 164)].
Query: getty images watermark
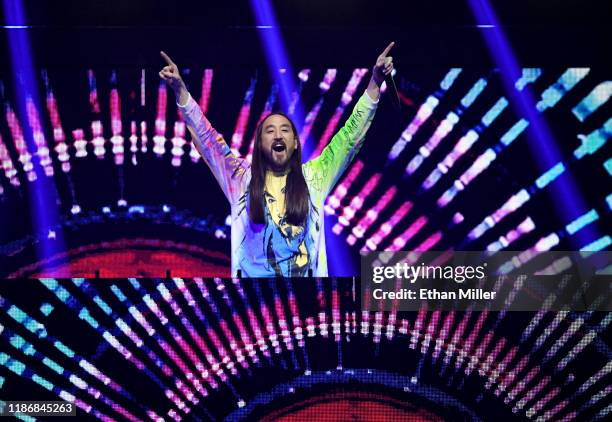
[(510, 281)]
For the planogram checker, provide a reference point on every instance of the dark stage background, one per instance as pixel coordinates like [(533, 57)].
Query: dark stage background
[(500, 142)]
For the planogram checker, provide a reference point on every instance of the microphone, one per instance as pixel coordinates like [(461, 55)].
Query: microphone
[(396, 99)]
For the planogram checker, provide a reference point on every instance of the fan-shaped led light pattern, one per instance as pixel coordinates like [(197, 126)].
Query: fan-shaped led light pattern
[(348, 212), (387, 227), (424, 112), (519, 199), (567, 81), (187, 349), (347, 98), (371, 216), (311, 117), (334, 200), (445, 127), (487, 139), (464, 144)]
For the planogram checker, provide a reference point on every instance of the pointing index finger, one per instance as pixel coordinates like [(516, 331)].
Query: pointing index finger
[(167, 58), (389, 47)]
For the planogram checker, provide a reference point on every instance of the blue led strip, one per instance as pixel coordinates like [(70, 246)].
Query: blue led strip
[(20, 369), (88, 289), (424, 112), (470, 137), (28, 349), (582, 221), (151, 304), (594, 141), (462, 347), (595, 99), (110, 338), (485, 160), (597, 245), (25, 347), (590, 145), (445, 127)]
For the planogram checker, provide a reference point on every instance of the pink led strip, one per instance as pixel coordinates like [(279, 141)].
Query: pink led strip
[(334, 200), (371, 216), (25, 158), (347, 97), (349, 211)]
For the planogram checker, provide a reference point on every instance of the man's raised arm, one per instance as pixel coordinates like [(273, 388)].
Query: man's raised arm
[(225, 166), (324, 171)]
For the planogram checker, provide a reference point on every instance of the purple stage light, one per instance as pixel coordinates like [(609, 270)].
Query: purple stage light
[(542, 144), (43, 195), (277, 59)]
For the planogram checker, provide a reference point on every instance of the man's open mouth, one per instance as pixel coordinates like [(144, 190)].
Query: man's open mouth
[(279, 146)]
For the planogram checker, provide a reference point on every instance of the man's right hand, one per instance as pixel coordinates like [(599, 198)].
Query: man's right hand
[(170, 73)]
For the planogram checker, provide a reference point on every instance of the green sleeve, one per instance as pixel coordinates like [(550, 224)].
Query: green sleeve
[(323, 172)]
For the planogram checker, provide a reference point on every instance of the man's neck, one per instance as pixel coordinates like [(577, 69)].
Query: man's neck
[(278, 172)]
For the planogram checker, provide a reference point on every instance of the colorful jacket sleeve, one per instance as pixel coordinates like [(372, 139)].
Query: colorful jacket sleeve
[(228, 169), (323, 172)]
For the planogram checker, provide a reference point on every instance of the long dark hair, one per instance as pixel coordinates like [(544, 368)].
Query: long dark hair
[(296, 190)]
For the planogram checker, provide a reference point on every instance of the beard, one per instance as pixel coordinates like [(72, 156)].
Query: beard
[(277, 161)]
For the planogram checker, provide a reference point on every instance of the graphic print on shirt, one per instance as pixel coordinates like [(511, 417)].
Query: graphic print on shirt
[(285, 246)]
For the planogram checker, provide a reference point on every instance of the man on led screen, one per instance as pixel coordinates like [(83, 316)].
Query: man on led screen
[(276, 201)]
